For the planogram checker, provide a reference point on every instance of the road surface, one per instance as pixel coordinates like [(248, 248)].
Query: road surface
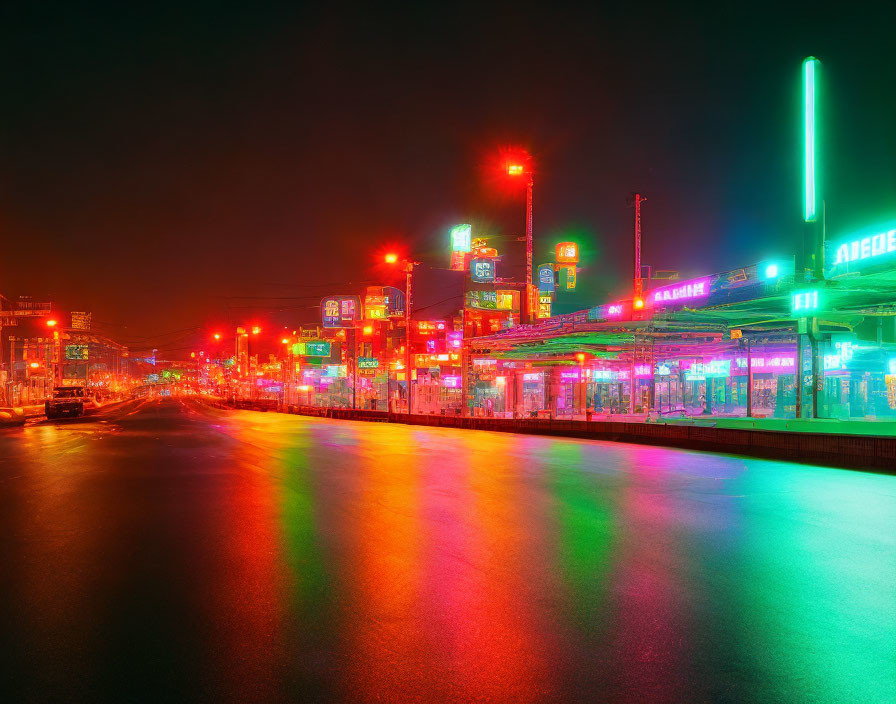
[(167, 550)]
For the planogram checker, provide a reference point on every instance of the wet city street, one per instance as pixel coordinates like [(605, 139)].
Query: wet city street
[(167, 549)]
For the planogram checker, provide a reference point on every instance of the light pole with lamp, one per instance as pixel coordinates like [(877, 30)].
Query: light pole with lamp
[(521, 167), (408, 267)]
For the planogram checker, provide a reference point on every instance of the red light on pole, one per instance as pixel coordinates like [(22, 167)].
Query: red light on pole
[(638, 303), (515, 169), (51, 323), (217, 336), (391, 258)]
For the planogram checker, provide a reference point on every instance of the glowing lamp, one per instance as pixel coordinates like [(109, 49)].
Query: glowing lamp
[(638, 303), (581, 357), (391, 258), (256, 330), (51, 323), (34, 365), (368, 330), (217, 336), (515, 169), (284, 341), (771, 271)]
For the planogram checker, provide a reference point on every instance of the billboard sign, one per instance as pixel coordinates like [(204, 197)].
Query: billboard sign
[(567, 253), (482, 270), (374, 304), (311, 348), (76, 352), (368, 363), (461, 238), (393, 299), (340, 311), (80, 320), (545, 277), (482, 300)]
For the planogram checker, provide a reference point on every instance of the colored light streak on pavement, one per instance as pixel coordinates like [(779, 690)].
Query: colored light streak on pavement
[(817, 591), (652, 635), (482, 522), (386, 543), (586, 531), (249, 579)]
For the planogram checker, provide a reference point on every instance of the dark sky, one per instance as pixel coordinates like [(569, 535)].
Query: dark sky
[(165, 166)]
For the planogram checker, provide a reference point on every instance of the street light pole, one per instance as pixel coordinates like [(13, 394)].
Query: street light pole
[(409, 271), (529, 186)]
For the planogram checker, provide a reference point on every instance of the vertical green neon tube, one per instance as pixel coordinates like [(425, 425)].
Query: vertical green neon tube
[(809, 166)]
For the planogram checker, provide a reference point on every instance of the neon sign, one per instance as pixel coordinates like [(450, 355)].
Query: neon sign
[(872, 249), (567, 253), (482, 270), (461, 238), (451, 382), (701, 371), (809, 107), (676, 293), (803, 302), (772, 363), (483, 300), (340, 311), (311, 349), (545, 277)]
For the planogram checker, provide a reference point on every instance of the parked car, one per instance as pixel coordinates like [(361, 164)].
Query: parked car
[(66, 401)]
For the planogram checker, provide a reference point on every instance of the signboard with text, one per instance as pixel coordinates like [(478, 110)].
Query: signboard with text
[(340, 311), (545, 277), (482, 270)]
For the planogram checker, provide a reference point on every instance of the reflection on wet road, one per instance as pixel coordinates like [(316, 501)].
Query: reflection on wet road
[(168, 550)]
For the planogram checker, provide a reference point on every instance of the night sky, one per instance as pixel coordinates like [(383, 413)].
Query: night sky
[(178, 169)]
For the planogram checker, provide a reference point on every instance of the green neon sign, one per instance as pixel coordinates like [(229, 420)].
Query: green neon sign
[(809, 119), (804, 303)]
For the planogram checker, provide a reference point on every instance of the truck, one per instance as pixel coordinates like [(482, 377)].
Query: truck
[(66, 401)]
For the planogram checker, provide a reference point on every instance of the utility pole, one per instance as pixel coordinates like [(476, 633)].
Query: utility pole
[(638, 287), (409, 271), (529, 188)]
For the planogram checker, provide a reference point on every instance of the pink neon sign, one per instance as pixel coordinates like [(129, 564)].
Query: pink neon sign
[(680, 292), (769, 362)]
